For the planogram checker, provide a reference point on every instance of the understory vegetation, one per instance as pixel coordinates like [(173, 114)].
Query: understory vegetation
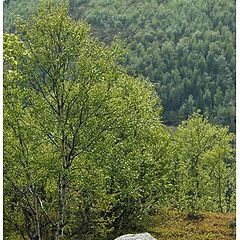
[(171, 224), (86, 153)]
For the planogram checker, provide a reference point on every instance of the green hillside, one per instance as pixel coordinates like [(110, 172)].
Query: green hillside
[(186, 48), (86, 153)]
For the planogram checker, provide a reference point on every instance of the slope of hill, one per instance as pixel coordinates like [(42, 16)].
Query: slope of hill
[(187, 48)]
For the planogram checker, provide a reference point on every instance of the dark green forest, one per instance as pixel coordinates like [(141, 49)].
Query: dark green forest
[(90, 88), (186, 48)]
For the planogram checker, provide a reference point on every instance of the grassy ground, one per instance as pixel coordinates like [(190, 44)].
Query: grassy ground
[(173, 225)]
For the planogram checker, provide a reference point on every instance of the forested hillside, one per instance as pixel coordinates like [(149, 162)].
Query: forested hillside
[(187, 48), (87, 153)]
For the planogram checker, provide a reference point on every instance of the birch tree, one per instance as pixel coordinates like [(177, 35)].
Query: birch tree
[(202, 153), (77, 120)]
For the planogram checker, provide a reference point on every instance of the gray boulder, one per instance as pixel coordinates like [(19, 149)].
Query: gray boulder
[(141, 236)]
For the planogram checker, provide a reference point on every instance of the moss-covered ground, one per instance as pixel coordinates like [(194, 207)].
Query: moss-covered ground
[(175, 225)]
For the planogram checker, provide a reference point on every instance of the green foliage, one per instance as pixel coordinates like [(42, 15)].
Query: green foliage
[(204, 160), (22, 8), (187, 48), (85, 153), (83, 137)]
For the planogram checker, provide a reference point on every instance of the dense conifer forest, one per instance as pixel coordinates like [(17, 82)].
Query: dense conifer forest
[(186, 48), (90, 89)]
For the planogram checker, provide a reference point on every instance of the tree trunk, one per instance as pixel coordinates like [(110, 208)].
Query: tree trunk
[(37, 219)]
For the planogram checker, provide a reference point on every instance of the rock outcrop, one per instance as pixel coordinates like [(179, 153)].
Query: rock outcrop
[(141, 236)]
